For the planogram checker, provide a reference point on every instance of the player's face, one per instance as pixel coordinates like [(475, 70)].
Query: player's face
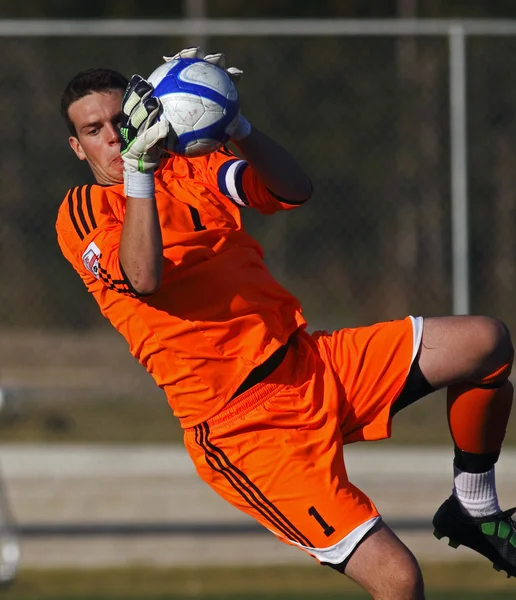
[(97, 121)]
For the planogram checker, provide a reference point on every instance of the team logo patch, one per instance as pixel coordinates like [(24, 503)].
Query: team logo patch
[(90, 259)]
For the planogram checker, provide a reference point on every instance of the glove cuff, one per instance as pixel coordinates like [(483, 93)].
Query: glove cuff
[(138, 185), (243, 129)]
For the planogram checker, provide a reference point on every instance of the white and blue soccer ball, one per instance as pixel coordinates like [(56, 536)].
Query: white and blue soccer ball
[(201, 103)]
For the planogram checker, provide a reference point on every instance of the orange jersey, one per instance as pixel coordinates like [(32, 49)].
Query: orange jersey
[(218, 313)]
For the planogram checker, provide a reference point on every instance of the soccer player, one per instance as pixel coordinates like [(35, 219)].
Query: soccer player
[(266, 407)]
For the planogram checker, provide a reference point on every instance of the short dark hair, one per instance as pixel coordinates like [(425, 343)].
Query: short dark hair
[(87, 82)]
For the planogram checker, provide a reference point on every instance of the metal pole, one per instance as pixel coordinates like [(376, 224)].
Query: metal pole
[(195, 9), (459, 191), (9, 540)]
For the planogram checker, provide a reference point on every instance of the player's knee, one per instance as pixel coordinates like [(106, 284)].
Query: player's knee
[(406, 583), (494, 338), (495, 351), (403, 582)]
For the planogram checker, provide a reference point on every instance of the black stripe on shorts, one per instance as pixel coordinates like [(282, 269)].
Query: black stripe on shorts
[(239, 481)]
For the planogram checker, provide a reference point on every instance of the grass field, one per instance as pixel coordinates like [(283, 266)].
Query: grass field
[(452, 581)]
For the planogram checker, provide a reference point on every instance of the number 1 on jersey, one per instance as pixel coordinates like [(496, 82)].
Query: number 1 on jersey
[(196, 219)]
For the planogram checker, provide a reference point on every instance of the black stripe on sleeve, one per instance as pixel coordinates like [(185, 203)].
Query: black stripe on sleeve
[(121, 286), (80, 209), (70, 196), (90, 207), (239, 481)]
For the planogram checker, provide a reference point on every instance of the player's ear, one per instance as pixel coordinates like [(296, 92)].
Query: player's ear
[(76, 147)]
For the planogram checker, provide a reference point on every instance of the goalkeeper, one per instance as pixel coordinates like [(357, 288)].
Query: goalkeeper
[(267, 407)]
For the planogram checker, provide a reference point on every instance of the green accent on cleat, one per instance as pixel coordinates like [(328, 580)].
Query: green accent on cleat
[(488, 528), (493, 536), (503, 530)]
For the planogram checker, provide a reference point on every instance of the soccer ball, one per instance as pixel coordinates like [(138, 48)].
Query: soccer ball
[(200, 102)]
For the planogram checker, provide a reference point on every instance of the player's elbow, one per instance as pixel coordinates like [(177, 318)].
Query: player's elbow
[(143, 280), (308, 189), (146, 285), (297, 193), (302, 191), (148, 290)]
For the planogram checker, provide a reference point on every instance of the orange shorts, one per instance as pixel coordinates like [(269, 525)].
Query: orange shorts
[(275, 451)]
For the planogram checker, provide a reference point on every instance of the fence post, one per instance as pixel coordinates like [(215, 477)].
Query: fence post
[(459, 170)]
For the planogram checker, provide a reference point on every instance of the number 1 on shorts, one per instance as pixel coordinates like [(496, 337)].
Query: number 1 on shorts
[(328, 529)]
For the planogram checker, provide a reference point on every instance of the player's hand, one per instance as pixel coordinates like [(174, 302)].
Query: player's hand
[(219, 60), (140, 130)]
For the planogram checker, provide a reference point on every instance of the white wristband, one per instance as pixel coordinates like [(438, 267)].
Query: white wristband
[(243, 129), (139, 185)]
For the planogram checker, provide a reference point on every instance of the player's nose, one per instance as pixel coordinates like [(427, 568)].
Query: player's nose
[(113, 135)]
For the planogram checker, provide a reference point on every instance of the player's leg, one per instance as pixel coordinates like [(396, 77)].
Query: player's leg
[(385, 567), (472, 357), (275, 452), (371, 364)]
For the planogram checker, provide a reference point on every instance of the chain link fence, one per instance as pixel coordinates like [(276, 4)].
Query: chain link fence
[(369, 118)]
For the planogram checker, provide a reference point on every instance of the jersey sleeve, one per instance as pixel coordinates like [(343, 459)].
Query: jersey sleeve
[(89, 232), (237, 180)]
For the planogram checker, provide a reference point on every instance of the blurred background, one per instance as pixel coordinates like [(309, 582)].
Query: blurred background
[(403, 113)]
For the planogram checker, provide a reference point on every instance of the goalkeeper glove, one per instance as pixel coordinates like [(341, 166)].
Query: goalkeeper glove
[(140, 132), (243, 128), (219, 60)]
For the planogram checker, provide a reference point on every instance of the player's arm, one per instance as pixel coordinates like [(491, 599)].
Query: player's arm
[(279, 171), (277, 168), (141, 246)]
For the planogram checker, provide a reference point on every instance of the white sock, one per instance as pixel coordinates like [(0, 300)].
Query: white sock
[(476, 492)]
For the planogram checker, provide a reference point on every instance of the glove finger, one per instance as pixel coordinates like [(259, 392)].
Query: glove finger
[(138, 89), (153, 107), (219, 60), (130, 99), (143, 88), (234, 74), (194, 52), (135, 79), (139, 85), (151, 104), (144, 113)]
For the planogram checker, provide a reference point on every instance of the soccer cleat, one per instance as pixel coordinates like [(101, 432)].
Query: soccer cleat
[(494, 536)]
